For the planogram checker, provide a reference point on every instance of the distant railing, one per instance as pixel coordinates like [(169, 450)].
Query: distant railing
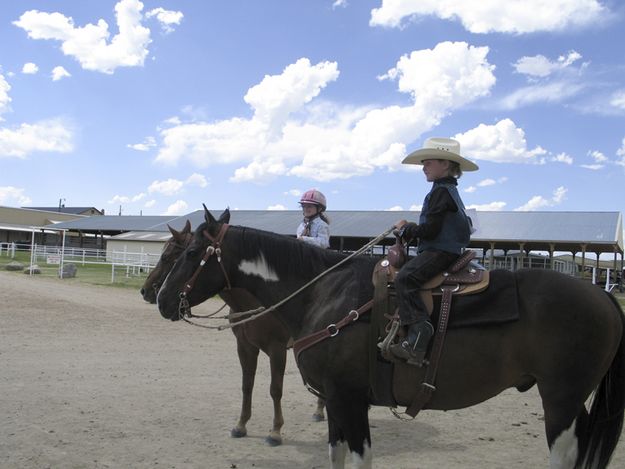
[(131, 263)]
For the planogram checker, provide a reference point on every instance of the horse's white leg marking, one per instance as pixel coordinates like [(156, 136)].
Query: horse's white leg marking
[(337, 455), (563, 452), (260, 268), (365, 461)]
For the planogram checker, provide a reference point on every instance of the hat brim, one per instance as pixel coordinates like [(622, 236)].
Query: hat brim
[(419, 156)]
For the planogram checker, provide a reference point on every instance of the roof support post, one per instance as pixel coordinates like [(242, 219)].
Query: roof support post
[(491, 262), (521, 253), (583, 261), (552, 247)]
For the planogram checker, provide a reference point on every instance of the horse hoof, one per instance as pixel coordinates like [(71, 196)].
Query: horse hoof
[(318, 418), (271, 441), (236, 433)]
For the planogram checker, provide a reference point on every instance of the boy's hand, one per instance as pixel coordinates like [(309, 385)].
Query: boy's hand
[(408, 232)]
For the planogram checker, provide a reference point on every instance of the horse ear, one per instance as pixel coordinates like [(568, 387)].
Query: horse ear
[(225, 217), (173, 232), (187, 227), (208, 217)]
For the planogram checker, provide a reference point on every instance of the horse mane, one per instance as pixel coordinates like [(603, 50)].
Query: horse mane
[(286, 254)]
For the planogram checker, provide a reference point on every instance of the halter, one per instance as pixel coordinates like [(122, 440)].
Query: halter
[(214, 247)]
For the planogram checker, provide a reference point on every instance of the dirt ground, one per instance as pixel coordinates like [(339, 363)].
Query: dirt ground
[(93, 377)]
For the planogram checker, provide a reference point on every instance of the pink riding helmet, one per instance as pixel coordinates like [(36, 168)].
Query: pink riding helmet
[(313, 196)]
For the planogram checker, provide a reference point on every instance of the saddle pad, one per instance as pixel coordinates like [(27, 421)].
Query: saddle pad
[(495, 305)]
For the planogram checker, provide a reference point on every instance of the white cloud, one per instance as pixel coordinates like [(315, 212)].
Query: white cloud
[(5, 99), (179, 207), (167, 18), (276, 207), (503, 142), (89, 44), (59, 72), (553, 92), (490, 207), (122, 199), (197, 180), (148, 142), (618, 99), (470, 189), (592, 167), (562, 158), (486, 182), (621, 154), (339, 3), (30, 68), (598, 156), (395, 208), (538, 202), (168, 187), (541, 66), (514, 16), (10, 195), (150, 203), (293, 192), (46, 136), (290, 134)]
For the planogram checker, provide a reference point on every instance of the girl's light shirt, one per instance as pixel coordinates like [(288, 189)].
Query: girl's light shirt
[(319, 233)]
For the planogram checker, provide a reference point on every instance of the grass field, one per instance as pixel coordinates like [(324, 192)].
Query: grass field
[(95, 274)]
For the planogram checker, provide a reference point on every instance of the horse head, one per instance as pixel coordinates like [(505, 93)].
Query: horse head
[(201, 262), (173, 248)]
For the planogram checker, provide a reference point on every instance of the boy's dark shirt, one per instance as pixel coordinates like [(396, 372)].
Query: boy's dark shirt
[(440, 203)]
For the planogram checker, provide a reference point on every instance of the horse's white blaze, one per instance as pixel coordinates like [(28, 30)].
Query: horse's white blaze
[(364, 461), (260, 268), (337, 455), (563, 453), (158, 293)]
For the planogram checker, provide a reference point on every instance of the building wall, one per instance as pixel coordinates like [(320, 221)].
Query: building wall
[(140, 252)]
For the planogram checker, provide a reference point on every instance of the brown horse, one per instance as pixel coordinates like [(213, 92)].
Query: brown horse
[(268, 334), (568, 340)]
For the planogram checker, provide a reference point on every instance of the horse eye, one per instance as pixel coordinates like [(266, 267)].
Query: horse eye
[(192, 252)]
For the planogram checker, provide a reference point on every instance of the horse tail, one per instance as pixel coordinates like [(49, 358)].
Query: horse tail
[(605, 418)]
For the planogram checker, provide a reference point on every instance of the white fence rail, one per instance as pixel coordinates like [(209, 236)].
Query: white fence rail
[(131, 263)]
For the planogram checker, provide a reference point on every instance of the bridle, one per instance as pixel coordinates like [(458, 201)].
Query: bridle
[(184, 309), (176, 244)]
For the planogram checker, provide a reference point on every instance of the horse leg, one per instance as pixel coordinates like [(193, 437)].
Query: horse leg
[(565, 419), (248, 358), (348, 428), (318, 414), (277, 362)]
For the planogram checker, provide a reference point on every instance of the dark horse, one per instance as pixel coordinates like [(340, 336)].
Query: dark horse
[(568, 341), (268, 334)]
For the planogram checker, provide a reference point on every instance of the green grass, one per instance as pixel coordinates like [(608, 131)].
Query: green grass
[(94, 274)]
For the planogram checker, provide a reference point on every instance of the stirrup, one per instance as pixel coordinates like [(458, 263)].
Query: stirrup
[(385, 345)]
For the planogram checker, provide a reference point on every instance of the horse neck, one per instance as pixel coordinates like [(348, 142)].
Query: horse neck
[(272, 267)]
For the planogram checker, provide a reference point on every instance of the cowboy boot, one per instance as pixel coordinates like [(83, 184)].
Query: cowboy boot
[(413, 349)]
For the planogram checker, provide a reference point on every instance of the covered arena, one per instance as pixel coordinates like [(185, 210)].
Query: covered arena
[(571, 242)]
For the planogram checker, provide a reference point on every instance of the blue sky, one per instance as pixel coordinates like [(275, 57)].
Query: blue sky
[(159, 106)]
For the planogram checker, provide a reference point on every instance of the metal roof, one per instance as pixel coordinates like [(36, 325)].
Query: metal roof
[(568, 230), (114, 224), (72, 210)]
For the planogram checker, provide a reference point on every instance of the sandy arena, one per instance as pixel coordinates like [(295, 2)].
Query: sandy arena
[(93, 377)]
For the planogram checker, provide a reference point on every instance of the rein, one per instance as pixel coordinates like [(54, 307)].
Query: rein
[(184, 310)]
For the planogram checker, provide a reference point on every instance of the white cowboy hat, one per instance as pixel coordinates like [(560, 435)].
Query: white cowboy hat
[(439, 148)]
